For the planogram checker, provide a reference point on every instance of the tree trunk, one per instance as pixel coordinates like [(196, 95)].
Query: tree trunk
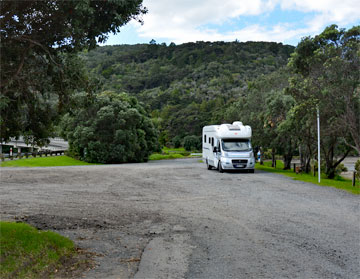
[(308, 165), (302, 158), (288, 154), (273, 158), (309, 157), (331, 165), (287, 161), (261, 157)]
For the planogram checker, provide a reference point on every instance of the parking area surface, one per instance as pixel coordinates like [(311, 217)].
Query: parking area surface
[(176, 219)]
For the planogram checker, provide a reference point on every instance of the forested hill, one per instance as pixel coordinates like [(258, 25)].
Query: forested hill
[(185, 86)]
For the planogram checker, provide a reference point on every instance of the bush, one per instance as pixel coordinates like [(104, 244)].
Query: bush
[(357, 169), (267, 154), (109, 128), (340, 168), (192, 143), (176, 141), (314, 163)]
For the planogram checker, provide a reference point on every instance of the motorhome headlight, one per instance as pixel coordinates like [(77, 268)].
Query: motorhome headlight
[(251, 154), (225, 160)]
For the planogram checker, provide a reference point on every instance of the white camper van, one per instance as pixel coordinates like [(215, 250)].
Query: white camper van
[(228, 147)]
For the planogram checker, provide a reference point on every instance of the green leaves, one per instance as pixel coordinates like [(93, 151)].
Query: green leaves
[(116, 129), (39, 68), (185, 86), (328, 70)]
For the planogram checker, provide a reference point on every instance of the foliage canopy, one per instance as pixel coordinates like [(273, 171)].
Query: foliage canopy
[(185, 86), (37, 74), (109, 128)]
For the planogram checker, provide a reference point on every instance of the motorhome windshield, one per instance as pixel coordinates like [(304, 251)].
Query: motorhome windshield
[(233, 145)]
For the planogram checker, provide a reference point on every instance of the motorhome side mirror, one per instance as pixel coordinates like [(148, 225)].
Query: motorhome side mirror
[(215, 149)]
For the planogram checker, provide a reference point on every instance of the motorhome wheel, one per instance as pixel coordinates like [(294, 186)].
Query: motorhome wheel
[(208, 166), (221, 170)]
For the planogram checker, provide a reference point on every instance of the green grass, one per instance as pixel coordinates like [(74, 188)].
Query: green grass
[(53, 161), (170, 153), (26, 252), (157, 156), (179, 150), (338, 182)]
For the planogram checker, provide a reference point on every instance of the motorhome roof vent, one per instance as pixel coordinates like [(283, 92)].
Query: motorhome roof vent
[(238, 123), (233, 127)]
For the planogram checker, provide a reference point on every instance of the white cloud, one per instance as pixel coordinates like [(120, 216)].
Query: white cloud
[(188, 20), (340, 11), (327, 11)]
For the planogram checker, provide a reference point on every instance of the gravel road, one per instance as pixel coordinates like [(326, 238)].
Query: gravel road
[(175, 219)]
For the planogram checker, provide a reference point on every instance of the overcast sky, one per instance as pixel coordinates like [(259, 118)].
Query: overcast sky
[(285, 21)]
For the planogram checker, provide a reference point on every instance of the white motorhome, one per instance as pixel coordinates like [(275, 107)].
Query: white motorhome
[(228, 147)]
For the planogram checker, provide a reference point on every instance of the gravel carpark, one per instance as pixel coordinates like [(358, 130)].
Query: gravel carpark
[(176, 219)]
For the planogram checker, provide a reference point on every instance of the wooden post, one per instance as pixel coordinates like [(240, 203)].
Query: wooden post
[(294, 167), (354, 178), (19, 152)]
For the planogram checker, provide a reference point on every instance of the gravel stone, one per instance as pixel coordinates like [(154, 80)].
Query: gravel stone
[(176, 219)]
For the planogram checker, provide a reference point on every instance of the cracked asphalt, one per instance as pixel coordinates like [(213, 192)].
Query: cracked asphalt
[(176, 219)]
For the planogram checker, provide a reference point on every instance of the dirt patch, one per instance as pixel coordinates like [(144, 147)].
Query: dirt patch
[(76, 266), (54, 222)]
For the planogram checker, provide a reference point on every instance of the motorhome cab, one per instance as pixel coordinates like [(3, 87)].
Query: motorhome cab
[(228, 147)]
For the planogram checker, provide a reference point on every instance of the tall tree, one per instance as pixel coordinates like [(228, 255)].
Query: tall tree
[(109, 128), (327, 76), (252, 108), (36, 73), (277, 128)]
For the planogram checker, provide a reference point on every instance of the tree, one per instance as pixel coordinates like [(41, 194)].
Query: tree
[(36, 74), (109, 128), (300, 121), (192, 143), (326, 76), (189, 85), (277, 128), (252, 108)]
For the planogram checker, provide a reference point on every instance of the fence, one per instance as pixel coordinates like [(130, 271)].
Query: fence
[(298, 169), (32, 154)]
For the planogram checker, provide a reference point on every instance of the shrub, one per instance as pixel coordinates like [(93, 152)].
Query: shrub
[(267, 154), (340, 168), (176, 141), (109, 128), (357, 169), (192, 143)]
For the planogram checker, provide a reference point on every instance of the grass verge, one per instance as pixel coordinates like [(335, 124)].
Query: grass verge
[(338, 182), (175, 150), (170, 153), (157, 156), (53, 161), (26, 252)]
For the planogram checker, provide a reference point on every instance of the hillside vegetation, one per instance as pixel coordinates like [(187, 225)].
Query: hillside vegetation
[(185, 86), (274, 88)]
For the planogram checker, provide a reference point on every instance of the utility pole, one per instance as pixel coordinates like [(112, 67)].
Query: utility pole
[(318, 128)]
